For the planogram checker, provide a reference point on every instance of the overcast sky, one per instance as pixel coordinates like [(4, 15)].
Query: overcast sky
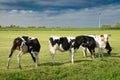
[(59, 13)]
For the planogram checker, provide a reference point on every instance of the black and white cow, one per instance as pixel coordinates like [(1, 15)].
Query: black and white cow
[(86, 42), (25, 44), (62, 44), (101, 43), (71, 44)]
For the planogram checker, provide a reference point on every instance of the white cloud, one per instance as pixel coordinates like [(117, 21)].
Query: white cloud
[(64, 18)]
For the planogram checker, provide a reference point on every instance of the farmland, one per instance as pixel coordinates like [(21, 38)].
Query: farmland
[(106, 68)]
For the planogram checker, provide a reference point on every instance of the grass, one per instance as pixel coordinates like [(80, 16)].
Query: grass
[(106, 68)]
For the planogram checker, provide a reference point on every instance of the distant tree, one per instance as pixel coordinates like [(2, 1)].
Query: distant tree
[(106, 26), (31, 27), (117, 25), (12, 26), (0, 26), (42, 27)]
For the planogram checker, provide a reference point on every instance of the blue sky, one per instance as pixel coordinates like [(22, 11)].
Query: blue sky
[(59, 13)]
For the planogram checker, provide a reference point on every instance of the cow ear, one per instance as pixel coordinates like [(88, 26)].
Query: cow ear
[(101, 35)]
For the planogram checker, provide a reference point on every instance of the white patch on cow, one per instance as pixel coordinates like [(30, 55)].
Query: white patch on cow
[(55, 37), (23, 39), (106, 36), (73, 43), (60, 47), (70, 38), (23, 47), (53, 48), (32, 38)]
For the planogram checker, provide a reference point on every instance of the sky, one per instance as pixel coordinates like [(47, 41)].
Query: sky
[(59, 13)]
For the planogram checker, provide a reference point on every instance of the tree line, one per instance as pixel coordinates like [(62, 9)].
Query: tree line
[(103, 26), (15, 26), (107, 26)]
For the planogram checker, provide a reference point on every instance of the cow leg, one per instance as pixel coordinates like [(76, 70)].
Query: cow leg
[(92, 53), (10, 56), (53, 61), (52, 52), (85, 52), (18, 58), (72, 55), (35, 57), (100, 52)]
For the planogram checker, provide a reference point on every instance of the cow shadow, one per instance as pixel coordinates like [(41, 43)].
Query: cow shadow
[(51, 64), (63, 63), (117, 55), (84, 60)]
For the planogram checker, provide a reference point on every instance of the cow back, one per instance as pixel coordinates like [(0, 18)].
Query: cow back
[(85, 41)]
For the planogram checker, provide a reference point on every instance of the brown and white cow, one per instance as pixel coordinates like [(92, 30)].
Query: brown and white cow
[(25, 44), (101, 43)]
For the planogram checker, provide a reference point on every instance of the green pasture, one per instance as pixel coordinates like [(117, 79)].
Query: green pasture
[(106, 68)]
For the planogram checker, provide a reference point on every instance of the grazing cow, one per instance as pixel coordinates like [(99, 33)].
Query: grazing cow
[(25, 44), (86, 42), (102, 43), (71, 44)]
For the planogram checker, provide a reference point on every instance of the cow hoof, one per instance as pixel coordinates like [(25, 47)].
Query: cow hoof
[(7, 67), (20, 67), (36, 66)]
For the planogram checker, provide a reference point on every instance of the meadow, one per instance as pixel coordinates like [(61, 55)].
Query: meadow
[(106, 68)]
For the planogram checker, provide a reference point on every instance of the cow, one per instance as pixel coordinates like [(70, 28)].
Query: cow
[(62, 44), (71, 44), (25, 44), (102, 43), (87, 42)]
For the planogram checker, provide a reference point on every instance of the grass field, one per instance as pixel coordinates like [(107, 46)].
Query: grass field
[(106, 68)]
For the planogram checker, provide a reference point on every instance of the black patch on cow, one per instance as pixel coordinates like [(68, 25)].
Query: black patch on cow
[(53, 42), (64, 42), (33, 45), (25, 38), (85, 41)]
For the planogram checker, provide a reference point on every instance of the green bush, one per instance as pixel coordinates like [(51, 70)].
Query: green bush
[(117, 25), (106, 26)]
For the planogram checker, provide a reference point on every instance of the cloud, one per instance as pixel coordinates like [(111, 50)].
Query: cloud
[(54, 4), (59, 2), (86, 17), (81, 3)]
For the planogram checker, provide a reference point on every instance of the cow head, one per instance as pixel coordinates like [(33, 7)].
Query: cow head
[(108, 47)]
